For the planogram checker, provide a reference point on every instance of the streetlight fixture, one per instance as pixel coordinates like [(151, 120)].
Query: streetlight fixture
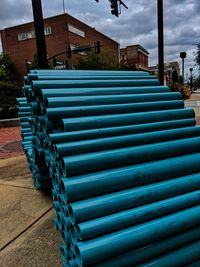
[(183, 56)]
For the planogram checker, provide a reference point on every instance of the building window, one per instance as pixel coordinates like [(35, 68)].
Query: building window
[(47, 30), (76, 30), (30, 35)]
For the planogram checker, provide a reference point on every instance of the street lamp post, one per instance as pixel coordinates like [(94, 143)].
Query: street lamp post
[(39, 34), (183, 56), (160, 41), (191, 79)]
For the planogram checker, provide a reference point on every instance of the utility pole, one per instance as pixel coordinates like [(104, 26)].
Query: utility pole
[(160, 41), (39, 34)]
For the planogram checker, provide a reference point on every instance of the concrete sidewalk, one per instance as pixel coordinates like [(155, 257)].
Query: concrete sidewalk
[(26, 219)]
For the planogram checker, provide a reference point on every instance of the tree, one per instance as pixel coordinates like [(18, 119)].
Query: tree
[(197, 56), (7, 68), (9, 88), (92, 61)]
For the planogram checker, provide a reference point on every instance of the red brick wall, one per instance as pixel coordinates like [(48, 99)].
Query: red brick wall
[(56, 42)]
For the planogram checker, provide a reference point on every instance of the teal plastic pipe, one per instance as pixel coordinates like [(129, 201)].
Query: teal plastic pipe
[(96, 250), (95, 122), (195, 263), (52, 102), (98, 161), (60, 218), (123, 219), (37, 85), (67, 92), (23, 104), (177, 258), (73, 263), (87, 72), (23, 110), (90, 185), (62, 137), (89, 77), (24, 113), (35, 107), (96, 207), (94, 145), (54, 114), (21, 99), (24, 119), (26, 130), (153, 250), (26, 134)]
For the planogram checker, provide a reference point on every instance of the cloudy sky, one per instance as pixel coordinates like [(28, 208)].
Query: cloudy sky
[(138, 24)]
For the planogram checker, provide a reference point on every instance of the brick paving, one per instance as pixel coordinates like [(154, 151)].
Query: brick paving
[(194, 97), (9, 135)]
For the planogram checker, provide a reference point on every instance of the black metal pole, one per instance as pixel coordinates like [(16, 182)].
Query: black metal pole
[(160, 41), (183, 69), (39, 34)]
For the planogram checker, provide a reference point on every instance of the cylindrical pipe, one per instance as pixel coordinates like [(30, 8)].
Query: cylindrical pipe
[(73, 263), (90, 185), (88, 77), (107, 246), (179, 257), (120, 220), (52, 102), (44, 93), (54, 114), (63, 137), (23, 110), (143, 254), (88, 146), (24, 113), (195, 263), (37, 85), (84, 72), (98, 161), (96, 207), (96, 122)]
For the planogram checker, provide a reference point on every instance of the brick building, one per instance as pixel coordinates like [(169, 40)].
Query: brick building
[(134, 57), (168, 69), (60, 31)]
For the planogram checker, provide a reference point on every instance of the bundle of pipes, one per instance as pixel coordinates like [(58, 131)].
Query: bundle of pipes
[(36, 163), (124, 158), (24, 112)]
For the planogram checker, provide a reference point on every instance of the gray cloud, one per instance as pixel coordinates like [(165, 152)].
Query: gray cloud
[(138, 24)]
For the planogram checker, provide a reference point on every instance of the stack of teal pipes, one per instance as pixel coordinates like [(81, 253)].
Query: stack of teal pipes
[(123, 156)]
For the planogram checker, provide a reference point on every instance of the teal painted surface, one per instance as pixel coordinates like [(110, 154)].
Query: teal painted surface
[(83, 111), (62, 137), (126, 218), (177, 258), (123, 158), (153, 250), (96, 122), (80, 147), (98, 161), (64, 92), (92, 208), (89, 185)]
